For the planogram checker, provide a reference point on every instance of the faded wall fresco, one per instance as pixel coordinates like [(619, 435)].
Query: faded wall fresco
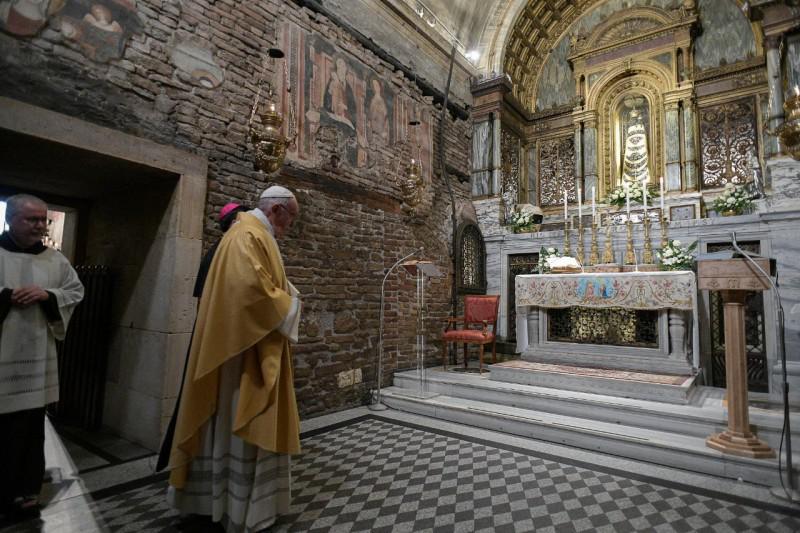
[(341, 103), (100, 27), (727, 36)]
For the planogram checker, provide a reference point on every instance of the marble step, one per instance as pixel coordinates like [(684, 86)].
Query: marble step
[(704, 415), (640, 385), (663, 448)]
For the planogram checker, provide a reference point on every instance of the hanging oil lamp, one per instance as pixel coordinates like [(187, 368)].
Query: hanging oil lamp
[(269, 142), (412, 183)]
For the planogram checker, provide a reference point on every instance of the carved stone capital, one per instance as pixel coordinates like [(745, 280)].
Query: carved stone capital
[(773, 42)]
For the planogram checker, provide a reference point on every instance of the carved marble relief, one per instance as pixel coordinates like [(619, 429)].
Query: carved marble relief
[(346, 114), (557, 170), (727, 141)]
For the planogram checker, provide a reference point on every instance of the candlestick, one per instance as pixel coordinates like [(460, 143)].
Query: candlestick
[(594, 257), (661, 185), (630, 256), (608, 249), (580, 255), (647, 255), (664, 241), (566, 239)]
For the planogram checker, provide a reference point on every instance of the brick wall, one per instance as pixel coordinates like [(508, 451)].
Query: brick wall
[(353, 223)]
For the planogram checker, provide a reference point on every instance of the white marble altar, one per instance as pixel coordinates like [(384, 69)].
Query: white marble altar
[(673, 294)]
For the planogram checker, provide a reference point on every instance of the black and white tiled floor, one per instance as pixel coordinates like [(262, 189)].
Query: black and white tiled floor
[(383, 473)]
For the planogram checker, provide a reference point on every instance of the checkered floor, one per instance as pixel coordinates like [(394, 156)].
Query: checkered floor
[(378, 475)]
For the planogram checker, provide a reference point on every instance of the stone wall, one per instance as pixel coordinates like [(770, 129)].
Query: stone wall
[(185, 74)]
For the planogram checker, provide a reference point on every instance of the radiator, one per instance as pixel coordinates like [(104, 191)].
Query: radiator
[(83, 355)]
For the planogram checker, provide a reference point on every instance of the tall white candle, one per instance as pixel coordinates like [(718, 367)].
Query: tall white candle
[(628, 199), (644, 196), (661, 185), (580, 205), (565, 205)]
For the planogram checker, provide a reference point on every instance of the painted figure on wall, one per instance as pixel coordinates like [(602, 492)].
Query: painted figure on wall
[(23, 18), (337, 96), (378, 118), (101, 27), (346, 114)]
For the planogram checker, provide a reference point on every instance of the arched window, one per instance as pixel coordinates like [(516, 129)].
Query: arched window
[(471, 260)]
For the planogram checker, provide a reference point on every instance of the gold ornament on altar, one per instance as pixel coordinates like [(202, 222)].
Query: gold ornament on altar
[(266, 135), (789, 131)]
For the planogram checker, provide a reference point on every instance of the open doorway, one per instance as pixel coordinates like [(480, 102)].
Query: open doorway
[(131, 206)]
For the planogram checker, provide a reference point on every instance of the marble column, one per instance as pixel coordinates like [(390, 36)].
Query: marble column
[(689, 146), (774, 79), (578, 152), (497, 172), (527, 327), (677, 335), (672, 145)]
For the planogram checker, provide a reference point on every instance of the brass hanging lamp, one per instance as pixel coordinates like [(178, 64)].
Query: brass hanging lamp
[(411, 182), (266, 135)]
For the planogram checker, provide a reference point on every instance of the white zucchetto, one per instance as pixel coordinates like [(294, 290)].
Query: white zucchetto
[(276, 191)]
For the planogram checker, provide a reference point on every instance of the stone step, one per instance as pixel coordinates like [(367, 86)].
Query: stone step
[(703, 415), (663, 448), (668, 388)]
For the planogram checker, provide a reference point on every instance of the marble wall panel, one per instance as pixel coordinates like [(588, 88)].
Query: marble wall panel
[(727, 35), (533, 193), (481, 157)]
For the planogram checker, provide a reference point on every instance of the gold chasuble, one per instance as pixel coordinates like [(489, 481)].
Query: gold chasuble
[(245, 299)]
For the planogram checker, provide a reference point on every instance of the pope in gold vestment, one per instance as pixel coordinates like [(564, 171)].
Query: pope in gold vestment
[(237, 421)]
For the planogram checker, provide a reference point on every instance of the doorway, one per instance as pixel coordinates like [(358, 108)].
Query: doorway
[(135, 207)]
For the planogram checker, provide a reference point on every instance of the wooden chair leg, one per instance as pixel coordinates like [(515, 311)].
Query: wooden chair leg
[(444, 355), (480, 359), (494, 352), (465, 355)]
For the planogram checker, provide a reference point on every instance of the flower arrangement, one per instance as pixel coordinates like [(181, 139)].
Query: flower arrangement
[(676, 257), (544, 253), (617, 195), (525, 219), (734, 200)]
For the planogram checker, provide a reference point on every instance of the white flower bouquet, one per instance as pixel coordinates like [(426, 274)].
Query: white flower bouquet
[(674, 256), (525, 219), (617, 195), (544, 254), (734, 200)]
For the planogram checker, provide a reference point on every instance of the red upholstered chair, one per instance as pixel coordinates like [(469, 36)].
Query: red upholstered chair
[(479, 311)]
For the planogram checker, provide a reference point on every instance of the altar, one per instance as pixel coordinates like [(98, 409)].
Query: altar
[(643, 321)]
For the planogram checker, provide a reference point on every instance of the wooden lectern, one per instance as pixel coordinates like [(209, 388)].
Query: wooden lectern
[(734, 278)]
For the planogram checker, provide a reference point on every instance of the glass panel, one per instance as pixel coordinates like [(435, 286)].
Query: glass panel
[(613, 326)]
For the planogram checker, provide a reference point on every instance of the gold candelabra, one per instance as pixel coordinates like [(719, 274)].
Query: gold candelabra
[(663, 232), (647, 254), (594, 256), (630, 255), (608, 250), (566, 238), (580, 242)]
